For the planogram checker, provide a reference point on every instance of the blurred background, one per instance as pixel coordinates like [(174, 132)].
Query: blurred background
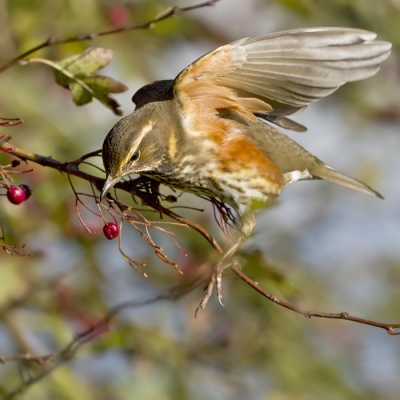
[(320, 246)]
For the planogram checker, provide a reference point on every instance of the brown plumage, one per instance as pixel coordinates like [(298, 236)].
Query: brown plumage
[(206, 131)]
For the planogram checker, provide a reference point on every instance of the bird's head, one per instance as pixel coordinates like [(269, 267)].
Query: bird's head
[(134, 145)]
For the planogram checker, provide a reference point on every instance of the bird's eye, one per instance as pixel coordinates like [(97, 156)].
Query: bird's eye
[(134, 156)]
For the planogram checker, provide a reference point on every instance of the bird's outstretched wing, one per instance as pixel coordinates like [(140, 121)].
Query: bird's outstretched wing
[(279, 74)]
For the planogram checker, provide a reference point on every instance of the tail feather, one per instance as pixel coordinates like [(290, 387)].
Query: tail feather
[(297, 163), (328, 173)]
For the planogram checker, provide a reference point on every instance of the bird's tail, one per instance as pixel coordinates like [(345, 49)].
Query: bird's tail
[(328, 173)]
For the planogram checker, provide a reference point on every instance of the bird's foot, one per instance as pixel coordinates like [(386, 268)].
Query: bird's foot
[(216, 278), (215, 281)]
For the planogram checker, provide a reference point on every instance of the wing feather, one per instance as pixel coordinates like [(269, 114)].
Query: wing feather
[(278, 74)]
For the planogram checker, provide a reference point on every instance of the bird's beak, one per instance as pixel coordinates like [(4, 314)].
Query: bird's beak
[(108, 184)]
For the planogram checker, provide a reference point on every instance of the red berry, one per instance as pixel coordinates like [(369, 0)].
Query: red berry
[(111, 230), (27, 191), (16, 195)]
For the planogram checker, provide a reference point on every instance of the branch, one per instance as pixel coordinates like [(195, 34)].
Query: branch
[(26, 357), (390, 328), (102, 326), (170, 12), (71, 168)]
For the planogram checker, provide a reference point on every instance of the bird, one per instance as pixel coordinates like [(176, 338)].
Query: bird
[(210, 130)]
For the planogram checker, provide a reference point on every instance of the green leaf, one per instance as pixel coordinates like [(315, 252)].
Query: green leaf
[(76, 74), (88, 62), (80, 96), (105, 84)]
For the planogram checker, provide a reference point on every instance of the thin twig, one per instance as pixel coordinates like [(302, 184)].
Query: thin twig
[(390, 328), (27, 357), (6, 122), (52, 41), (57, 67)]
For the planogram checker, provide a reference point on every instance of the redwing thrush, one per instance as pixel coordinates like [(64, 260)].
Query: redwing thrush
[(207, 132)]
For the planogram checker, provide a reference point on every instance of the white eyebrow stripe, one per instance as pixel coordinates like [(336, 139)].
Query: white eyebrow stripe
[(145, 130)]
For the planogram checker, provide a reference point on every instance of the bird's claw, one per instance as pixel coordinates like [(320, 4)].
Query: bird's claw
[(216, 280)]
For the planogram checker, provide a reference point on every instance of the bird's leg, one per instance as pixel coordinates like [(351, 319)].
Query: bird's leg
[(216, 278), (247, 228)]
